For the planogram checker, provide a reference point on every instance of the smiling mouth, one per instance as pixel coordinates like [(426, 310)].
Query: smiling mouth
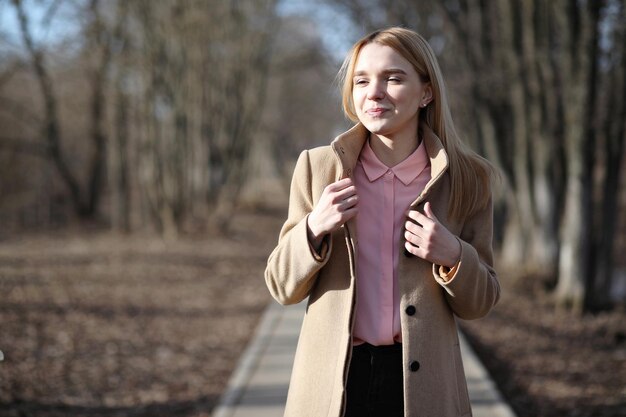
[(376, 111)]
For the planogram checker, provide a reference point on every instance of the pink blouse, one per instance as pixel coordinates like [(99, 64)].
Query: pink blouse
[(384, 198)]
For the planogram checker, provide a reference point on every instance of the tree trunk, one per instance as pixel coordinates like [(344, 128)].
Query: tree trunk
[(544, 234), (575, 242), (98, 105), (615, 134), (51, 128), (119, 178)]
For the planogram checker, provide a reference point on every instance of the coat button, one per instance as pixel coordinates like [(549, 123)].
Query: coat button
[(415, 365), (410, 310)]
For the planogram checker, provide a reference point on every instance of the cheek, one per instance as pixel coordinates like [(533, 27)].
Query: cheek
[(357, 97)]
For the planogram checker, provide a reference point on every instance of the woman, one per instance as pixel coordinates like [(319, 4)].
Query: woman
[(389, 236)]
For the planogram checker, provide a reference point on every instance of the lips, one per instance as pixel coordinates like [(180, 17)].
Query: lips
[(376, 111)]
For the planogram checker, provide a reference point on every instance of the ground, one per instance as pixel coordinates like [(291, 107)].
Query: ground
[(99, 324), (551, 363), (108, 325)]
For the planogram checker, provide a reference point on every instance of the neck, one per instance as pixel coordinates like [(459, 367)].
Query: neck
[(391, 150)]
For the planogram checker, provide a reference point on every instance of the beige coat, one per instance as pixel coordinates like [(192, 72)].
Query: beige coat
[(434, 381)]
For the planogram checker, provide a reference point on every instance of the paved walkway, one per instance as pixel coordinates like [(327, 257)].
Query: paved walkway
[(258, 387)]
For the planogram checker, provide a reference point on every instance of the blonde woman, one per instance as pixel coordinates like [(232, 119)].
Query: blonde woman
[(389, 236)]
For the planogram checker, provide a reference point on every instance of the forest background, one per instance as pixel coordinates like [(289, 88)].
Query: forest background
[(147, 121)]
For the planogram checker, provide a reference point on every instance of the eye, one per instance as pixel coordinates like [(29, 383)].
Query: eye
[(360, 81), (394, 80)]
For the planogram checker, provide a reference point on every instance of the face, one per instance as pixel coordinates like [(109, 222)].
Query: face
[(387, 92)]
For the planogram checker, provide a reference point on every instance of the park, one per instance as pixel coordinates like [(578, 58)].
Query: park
[(146, 156)]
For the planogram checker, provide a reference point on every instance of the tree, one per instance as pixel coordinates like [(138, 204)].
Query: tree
[(177, 84), (536, 77), (203, 72), (85, 198)]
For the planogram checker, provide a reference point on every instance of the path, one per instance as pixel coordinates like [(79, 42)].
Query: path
[(258, 387)]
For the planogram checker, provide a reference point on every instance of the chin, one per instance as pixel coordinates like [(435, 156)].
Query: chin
[(378, 128), (373, 124)]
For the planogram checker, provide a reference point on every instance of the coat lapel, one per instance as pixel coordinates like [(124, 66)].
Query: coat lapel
[(348, 145), (438, 161)]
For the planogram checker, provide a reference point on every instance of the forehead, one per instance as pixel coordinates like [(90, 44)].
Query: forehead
[(375, 57)]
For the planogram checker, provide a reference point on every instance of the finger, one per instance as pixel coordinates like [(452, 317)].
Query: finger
[(350, 213), (413, 228), (341, 196), (345, 193), (339, 185), (413, 239), (348, 202), (419, 218), (347, 215), (428, 210), (413, 250)]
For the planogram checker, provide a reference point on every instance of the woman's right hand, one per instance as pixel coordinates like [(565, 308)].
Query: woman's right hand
[(336, 206)]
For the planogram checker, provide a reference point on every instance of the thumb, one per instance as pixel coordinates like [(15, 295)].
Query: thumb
[(428, 210)]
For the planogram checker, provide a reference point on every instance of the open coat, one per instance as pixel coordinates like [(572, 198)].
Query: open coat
[(434, 381)]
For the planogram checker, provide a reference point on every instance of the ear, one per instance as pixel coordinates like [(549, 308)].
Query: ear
[(427, 95)]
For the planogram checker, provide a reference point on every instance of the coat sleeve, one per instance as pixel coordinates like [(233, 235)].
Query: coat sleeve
[(474, 288), (293, 265)]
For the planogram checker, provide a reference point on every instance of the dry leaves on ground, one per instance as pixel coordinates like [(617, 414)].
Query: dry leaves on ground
[(552, 363), (107, 325)]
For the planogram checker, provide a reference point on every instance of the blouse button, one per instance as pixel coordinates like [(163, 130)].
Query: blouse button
[(410, 310), (414, 366)]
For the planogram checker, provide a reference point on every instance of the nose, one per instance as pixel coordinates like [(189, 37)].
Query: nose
[(375, 90)]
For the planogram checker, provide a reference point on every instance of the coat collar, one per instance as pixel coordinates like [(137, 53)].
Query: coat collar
[(348, 145)]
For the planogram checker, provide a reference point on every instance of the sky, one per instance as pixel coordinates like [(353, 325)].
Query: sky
[(336, 30), (60, 27)]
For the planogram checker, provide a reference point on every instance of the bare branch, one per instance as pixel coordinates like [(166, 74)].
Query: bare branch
[(50, 12)]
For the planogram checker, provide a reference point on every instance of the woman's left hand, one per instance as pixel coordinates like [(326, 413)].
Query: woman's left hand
[(431, 240)]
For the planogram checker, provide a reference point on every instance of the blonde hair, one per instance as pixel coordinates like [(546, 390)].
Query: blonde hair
[(470, 174)]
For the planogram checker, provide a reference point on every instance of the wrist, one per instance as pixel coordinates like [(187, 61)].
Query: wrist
[(457, 258), (314, 238)]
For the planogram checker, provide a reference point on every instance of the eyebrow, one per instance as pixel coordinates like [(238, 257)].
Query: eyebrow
[(385, 72)]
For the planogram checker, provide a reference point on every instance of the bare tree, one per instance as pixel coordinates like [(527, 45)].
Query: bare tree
[(51, 125), (534, 77), (200, 72), (238, 100), (85, 198), (614, 132), (119, 152)]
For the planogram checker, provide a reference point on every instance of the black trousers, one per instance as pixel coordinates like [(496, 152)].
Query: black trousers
[(375, 382)]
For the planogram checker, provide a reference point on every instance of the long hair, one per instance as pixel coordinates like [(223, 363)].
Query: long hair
[(470, 174)]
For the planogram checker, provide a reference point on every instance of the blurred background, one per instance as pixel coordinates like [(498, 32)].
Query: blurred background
[(146, 150)]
